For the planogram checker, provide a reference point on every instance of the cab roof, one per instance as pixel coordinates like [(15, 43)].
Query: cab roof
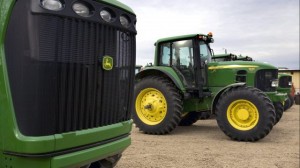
[(178, 37)]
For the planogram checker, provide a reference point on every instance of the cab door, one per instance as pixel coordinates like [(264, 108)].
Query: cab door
[(180, 56)]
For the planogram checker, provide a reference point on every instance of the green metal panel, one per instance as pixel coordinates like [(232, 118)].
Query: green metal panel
[(74, 159), (197, 105), (65, 141), (12, 140), (90, 155), (148, 71), (277, 96)]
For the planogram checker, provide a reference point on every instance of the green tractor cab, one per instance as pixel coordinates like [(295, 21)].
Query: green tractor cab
[(184, 83)]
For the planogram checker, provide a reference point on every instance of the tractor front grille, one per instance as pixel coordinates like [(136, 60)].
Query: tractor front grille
[(56, 77), (285, 82), (264, 78)]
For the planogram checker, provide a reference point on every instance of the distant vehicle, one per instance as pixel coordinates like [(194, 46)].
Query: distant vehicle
[(285, 81), (285, 85)]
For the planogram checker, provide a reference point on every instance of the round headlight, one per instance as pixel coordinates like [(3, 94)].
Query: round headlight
[(54, 5), (106, 15), (81, 9), (124, 21)]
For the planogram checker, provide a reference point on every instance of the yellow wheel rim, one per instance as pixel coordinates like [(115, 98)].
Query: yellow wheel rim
[(242, 115), (151, 106)]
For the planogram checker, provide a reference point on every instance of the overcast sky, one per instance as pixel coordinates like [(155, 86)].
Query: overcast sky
[(266, 30)]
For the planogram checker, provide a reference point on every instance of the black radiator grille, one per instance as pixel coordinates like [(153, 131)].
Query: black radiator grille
[(61, 86), (264, 78), (285, 82)]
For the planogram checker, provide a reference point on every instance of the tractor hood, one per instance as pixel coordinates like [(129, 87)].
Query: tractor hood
[(252, 73), (246, 65)]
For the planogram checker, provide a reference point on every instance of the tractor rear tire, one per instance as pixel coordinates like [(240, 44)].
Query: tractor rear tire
[(158, 105), (189, 119), (279, 111), (245, 114)]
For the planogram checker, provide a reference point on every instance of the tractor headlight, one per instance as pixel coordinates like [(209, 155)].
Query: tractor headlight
[(106, 15), (290, 83), (54, 5), (124, 21), (274, 83), (81, 9)]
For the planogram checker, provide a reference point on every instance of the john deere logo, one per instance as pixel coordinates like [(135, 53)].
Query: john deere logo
[(107, 63)]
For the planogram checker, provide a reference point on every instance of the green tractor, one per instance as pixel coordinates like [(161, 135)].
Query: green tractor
[(184, 82), (66, 82), (285, 85)]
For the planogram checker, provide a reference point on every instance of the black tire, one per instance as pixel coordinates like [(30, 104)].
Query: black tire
[(292, 101), (167, 95), (189, 119), (109, 162), (287, 104), (204, 115), (259, 110), (279, 111)]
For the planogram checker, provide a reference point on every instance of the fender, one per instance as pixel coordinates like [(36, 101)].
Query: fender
[(159, 71), (216, 98)]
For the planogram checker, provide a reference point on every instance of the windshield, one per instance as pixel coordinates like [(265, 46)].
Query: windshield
[(205, 53)]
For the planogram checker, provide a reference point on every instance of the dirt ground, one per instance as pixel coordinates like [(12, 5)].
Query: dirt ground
[(205, 145)]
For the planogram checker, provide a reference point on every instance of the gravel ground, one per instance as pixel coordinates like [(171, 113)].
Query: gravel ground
[(205, 145)]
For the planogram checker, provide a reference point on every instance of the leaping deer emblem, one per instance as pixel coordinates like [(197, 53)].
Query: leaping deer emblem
[(107, 62)]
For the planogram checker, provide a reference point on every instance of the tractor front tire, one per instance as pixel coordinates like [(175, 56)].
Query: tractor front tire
[(292, 101), (245, 114), (287, 104), (189, 119), (158, 105), (279, 111)]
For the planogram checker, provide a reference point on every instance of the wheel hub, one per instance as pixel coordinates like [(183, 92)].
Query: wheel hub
[(151, 106), (242, 115)]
